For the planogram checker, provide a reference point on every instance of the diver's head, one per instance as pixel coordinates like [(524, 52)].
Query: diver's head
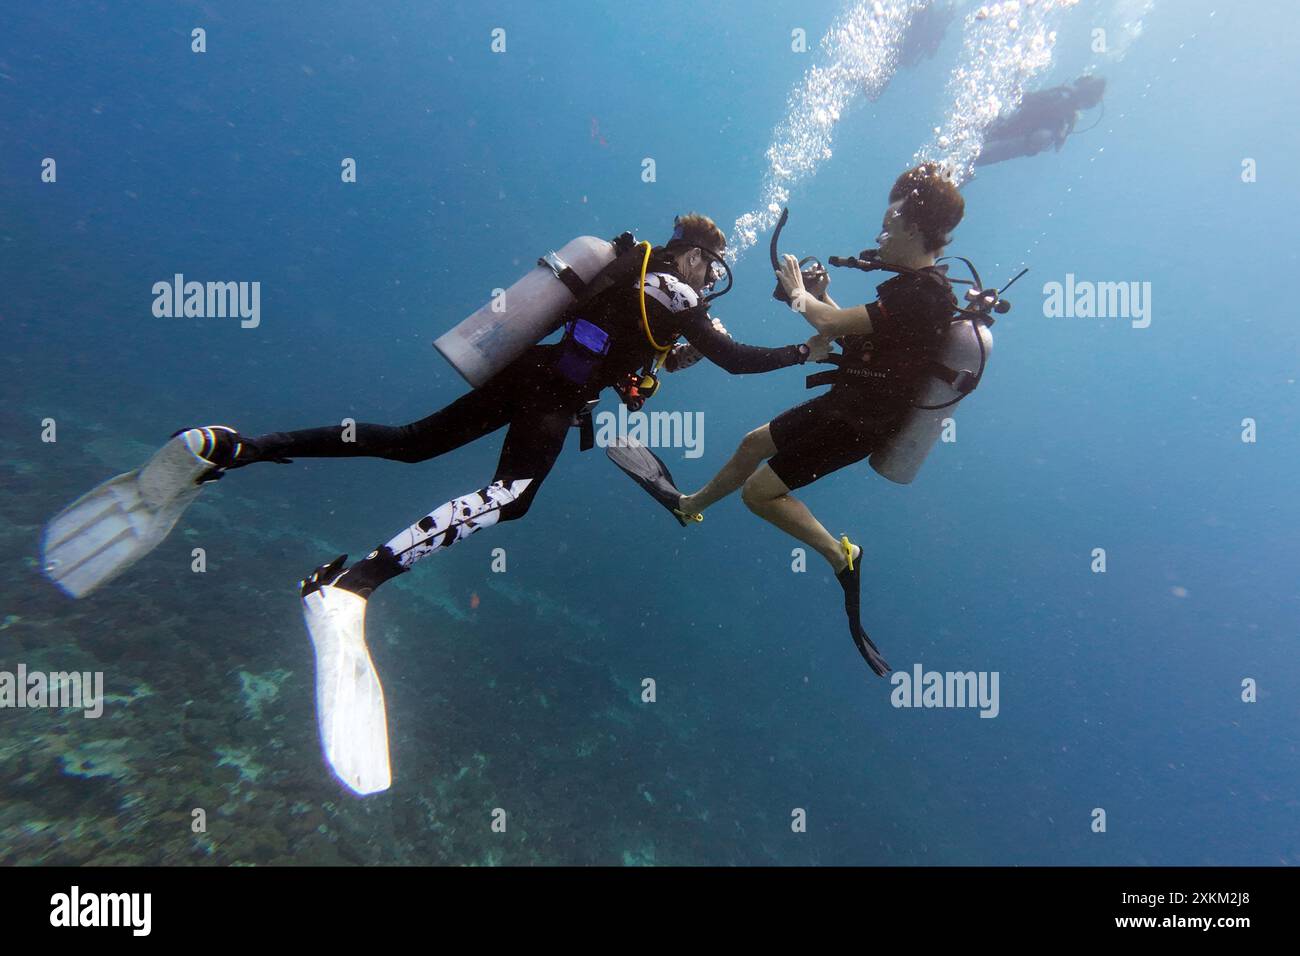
[(1088, 91), (696, 250), (924, 208)]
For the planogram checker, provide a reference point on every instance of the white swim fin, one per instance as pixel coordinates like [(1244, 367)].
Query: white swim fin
[(349, 698), (108, 529)]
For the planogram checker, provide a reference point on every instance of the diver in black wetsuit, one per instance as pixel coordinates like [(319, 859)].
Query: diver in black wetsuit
[(925, 32), (538, 397), (627, 317), (922, 39), (1044, 118)]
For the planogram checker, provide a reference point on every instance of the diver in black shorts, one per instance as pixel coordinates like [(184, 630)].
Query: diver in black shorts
[(889, 347)]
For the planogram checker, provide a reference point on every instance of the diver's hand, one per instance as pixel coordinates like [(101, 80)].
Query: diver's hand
[(819, 347), (791, 280), (717, 324)]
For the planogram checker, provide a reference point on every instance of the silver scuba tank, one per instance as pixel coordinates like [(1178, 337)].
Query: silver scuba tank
[(503, 329), (900, 458)]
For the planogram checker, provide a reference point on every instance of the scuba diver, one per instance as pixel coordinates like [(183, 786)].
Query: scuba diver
[(904, 358), (620, 325), (921, 40), (925, 32), (1044, 118)]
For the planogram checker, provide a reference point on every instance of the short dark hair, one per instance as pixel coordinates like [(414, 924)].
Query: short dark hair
[(931, 203)]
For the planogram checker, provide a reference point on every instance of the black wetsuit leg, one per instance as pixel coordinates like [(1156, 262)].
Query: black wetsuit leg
[(540, 413), (468, 418), (533, 443)]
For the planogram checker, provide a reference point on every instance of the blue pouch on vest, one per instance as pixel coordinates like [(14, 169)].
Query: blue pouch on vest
[(583, 348)]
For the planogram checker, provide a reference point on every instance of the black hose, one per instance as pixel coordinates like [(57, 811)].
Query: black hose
[(776, 237)]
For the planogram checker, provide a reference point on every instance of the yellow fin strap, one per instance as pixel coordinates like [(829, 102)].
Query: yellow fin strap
[(683, 515), (847, 547)]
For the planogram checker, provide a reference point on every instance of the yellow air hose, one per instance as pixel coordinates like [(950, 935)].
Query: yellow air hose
[(661, 350)]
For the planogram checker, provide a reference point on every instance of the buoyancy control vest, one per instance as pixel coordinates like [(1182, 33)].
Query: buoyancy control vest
[(946, 372)]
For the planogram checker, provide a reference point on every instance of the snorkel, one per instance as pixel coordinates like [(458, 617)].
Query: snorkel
[(815, 278)]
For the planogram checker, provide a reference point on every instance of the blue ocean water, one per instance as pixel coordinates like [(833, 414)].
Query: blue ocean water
[(522, 691)]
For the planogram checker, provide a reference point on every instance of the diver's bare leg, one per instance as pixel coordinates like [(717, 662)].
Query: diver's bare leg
[(767, 496), (755, 448)]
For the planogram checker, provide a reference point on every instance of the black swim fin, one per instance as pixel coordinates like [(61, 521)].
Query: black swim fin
[(645, 468), (851, 581)]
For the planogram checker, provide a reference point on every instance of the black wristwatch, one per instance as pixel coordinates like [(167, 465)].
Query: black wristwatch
[(804, 352)]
